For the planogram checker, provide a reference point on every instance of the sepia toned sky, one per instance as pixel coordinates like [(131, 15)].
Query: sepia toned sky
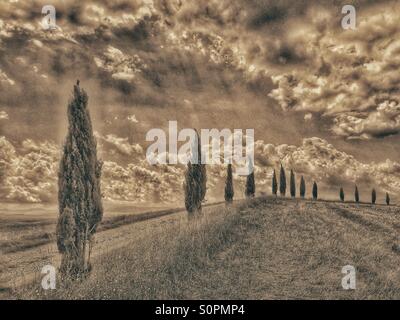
[(323, 100)]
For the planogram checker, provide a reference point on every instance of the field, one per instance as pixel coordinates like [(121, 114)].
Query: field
[(260, 249), (27, 236)]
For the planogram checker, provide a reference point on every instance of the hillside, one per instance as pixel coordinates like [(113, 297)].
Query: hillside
[(262, 249)]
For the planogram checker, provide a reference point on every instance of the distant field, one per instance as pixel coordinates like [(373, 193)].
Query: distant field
[(13, 211), (25, 226), (28, 242), (27, 232), (261, 249)]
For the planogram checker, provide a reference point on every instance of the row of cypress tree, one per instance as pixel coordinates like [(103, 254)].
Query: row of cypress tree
[(79, 194), (250, 187), (357, 196)]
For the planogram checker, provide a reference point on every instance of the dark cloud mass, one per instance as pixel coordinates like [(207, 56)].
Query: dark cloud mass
[(285, 68)]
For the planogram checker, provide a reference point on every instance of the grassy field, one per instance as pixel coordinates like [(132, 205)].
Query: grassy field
[(262, 249), (24, 227), (27, 241)]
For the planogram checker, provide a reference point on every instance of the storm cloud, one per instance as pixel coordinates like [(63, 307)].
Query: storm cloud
[(284, 68), (29, 172)]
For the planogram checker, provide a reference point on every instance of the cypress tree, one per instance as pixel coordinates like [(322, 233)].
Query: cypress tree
[(387, 199), (250, 183), (203, 174), (274, 184), (341, 194), (65, 231), (2, 172), (302, 187), (79, 193), (315, 191), (229, 193), (195, 180), (292, 184), (356, 195), (373, 196), (282, 182), (191, 190)]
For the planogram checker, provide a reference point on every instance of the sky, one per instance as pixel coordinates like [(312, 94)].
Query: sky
[(323, 101)]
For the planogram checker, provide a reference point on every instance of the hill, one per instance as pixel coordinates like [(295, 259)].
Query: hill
[(259, 249)]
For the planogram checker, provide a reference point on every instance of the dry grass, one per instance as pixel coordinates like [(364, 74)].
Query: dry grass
[(158, 267), (263, 249), (25, 233)]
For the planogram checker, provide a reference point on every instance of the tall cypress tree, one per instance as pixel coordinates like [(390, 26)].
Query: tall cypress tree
[(229, 193), (274, 184), (2, 172), (65, 231), (79, 193), (315, 191), (195, 180), (341, 194), (250, 182), (302, 187), (387, 199), (373, 196), (292, 184), (356, 195), (203, 174), (282, 182)]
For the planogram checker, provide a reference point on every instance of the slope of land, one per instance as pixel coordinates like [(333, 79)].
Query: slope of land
[(261, 249), (28, 241)]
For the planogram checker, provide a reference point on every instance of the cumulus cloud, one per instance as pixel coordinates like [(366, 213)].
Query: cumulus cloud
[(120, 145), (308, 117), (4, 79), (141, 183), (315, 65), (120, 65), (383, 121), (351, 76), (318, 160), (3, 115), (132, 118), (29, 173), (217, 63)]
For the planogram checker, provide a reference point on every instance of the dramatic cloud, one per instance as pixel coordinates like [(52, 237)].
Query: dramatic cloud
[(156, 53), (4, 79), (120, 145), (318, 160), (284, 68), (29, 173), (383, 121), (351, 77), (141, 183), (121, 66), (132, 118), (3, 115)]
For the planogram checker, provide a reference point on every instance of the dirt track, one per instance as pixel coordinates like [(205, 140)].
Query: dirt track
[(24, 266)]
